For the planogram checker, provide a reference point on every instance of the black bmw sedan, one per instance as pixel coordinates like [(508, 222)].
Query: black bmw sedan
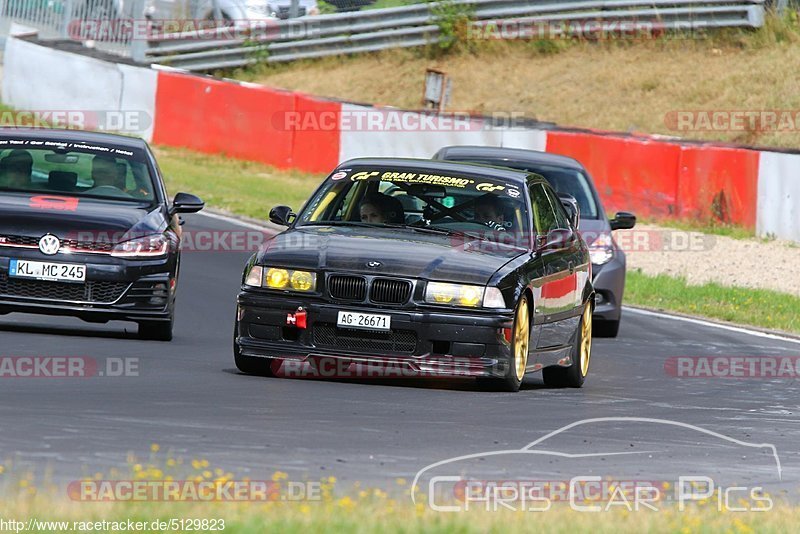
[(443, 268), (86, 229), (567, 175)]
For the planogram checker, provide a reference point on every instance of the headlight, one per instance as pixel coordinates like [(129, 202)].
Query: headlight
[(454, 294), (602, 250), (150, 246), (278, 278), (255, 276), (493, 298)]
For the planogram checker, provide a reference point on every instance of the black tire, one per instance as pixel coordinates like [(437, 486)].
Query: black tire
[(512, 380), (574, 375), (250, 365), (603, 328), (156, 330)]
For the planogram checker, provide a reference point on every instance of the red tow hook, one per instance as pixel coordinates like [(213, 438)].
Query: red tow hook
[(298, 318)]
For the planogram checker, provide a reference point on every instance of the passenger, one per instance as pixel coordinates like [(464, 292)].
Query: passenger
[(377, 208), (16, 169)]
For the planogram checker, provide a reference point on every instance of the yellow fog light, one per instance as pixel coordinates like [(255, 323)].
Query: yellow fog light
[(303, 281), (277, 278)]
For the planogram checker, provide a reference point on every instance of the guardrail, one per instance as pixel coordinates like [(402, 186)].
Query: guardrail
[(246, 42), (417, 25)]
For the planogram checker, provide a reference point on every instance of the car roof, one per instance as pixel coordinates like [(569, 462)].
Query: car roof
[(60, 134), (516, 154), (504, 173)]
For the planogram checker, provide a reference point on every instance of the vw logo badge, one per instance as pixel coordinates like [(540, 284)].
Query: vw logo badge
[(374, 264), (49, 244)]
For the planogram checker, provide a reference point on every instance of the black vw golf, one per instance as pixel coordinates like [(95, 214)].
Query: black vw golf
[(444, 268), (86, 229)]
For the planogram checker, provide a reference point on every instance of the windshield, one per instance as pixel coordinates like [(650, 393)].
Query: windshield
[(417, 198), (563, 179), (94, 172)]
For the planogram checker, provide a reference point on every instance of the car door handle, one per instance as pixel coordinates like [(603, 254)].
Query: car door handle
[(571, 267)]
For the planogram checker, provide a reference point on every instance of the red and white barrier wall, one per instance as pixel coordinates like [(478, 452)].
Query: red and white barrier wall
[(652, 177)]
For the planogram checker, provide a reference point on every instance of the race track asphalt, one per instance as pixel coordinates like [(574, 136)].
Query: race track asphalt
[(189, 399)]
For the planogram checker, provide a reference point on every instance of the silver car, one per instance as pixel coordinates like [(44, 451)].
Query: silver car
[(567, 175)]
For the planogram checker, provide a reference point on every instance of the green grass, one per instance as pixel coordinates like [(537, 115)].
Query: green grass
[(333, 508), (386, 515), (756, 307), (382, 4), (241, 187)]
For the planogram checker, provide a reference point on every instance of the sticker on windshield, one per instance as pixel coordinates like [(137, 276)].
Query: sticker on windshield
[(513, 193), (488, 187), (413, 178), (339, 175)]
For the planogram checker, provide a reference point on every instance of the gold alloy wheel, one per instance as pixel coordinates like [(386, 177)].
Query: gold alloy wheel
[(586, 340), (522, 337)]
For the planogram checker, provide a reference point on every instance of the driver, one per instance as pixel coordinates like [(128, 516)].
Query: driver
[(105, 175), (489, 211), (104, 171), (377, 208)]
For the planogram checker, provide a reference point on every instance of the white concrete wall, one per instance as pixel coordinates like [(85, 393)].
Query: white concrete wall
[(38, 78), (778, 210)]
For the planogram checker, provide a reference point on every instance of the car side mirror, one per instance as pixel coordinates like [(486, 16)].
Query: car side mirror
[(623, 221), (281, 215), (555, 239), (572, 208), (186, 203)]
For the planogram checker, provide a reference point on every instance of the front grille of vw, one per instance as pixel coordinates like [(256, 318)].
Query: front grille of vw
[(343, 287), (90, 292), (73, 244), (389, 291), (327, 335)]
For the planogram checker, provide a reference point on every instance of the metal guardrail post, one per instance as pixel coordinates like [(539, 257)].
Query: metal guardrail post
[(138, 45), (66, 18)]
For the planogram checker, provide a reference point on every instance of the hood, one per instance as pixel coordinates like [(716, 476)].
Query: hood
[(403, 253), (65, 217)]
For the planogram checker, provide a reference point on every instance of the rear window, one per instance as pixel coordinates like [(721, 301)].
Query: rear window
[(562, 179)]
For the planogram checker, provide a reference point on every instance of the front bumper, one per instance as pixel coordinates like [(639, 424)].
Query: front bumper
[(424, 341), (115, 289)]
